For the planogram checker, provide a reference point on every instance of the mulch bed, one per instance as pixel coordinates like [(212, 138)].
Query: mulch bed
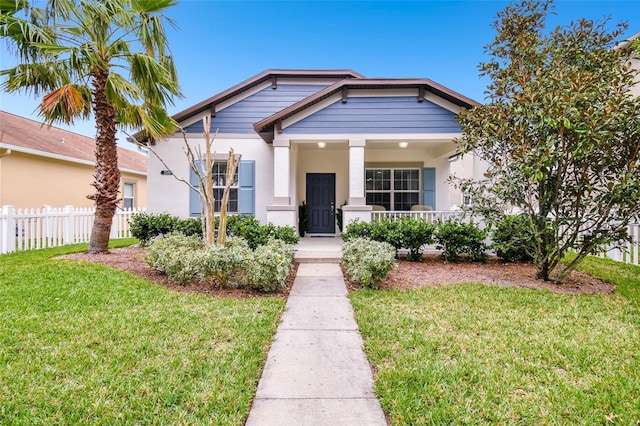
[(432, 271)]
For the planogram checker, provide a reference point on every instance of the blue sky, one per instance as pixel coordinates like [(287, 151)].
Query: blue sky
[(221, 43)]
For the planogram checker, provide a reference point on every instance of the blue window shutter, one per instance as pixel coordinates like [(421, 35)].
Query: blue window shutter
[(429, 187), (194, 197), (246, 187)]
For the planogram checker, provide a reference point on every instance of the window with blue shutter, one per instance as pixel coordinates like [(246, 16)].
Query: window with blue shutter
[(429, 187), (241, 194), (246, 187), (194, 198)]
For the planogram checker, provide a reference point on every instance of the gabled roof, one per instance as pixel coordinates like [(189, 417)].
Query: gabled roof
[(32, 137), (269, 75), (265, 127)]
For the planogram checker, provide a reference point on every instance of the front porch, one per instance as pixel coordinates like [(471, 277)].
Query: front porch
[(366, 176)]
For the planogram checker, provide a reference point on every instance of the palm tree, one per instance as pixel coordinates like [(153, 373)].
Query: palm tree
[(108, 58)]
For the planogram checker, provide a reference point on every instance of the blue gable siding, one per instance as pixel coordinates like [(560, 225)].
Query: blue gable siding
[(240, 117), (400, 114)]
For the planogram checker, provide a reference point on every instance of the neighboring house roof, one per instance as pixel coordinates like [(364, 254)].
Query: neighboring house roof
[(32, 137)]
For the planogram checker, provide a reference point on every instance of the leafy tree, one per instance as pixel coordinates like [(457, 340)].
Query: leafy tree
[(560, 134), (83, 58)]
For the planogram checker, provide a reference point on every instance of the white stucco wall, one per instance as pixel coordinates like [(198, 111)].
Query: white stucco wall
[(167, 194), (635, 90)]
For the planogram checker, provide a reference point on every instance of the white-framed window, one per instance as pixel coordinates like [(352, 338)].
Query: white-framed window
[(395, 189), (466, 199), (219, 180), (128, 195)]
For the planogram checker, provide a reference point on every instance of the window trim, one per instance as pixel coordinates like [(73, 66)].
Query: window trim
[(133, 195), (221, 188), (392, 189)]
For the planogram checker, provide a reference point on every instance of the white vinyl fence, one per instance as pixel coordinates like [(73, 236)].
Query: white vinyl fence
[(29, 229), (630, 251)]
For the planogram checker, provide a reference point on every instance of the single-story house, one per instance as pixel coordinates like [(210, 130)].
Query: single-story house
[(47, 166), (328, 138)]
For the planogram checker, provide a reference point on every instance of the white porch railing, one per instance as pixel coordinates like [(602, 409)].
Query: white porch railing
[(430, 216), (629, 253), (29, 229)]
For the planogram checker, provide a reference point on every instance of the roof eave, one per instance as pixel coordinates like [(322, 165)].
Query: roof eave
[(266, 125), (258, 79), (209, 103)]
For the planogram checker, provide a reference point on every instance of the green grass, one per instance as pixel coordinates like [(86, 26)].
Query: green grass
[(480, 354), (82, 343)]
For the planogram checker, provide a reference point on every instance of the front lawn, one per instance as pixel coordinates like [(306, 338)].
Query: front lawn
[(82, 343), (479, 354)]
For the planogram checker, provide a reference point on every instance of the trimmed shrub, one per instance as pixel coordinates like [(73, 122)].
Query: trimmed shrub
[(189, 227), (147, 226), (415, 234), (405, 232), (256, 234), (387, 230), (513, 239), (183, 258), (177, 255), (269, 266), (368, 262), (357, 229), (286, 234), (225, 264), (459, 238)]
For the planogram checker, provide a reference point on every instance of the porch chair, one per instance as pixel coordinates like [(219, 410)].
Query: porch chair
[(421, 208)]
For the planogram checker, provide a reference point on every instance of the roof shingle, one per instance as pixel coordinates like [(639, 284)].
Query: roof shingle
[(32, 135)]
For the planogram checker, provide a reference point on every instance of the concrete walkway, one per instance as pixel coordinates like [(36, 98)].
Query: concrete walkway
[(316, 371)]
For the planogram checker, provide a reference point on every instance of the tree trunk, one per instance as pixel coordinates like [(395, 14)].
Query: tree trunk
[(107, 175), (232, 165)]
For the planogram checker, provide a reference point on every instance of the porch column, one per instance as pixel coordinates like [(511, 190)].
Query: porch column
[(356, 172), (281, 212), (356, 208)]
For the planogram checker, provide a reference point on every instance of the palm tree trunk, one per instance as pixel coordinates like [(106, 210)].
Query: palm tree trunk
[(107, 175)]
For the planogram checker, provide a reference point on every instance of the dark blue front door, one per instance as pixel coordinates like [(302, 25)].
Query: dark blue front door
[(321, 200)]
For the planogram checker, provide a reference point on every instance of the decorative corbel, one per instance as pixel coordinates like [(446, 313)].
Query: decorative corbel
[(345, 94), (421, 92)]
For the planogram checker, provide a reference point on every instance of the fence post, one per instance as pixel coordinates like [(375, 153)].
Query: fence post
[(115, 225), (8, 243), (68, 225)]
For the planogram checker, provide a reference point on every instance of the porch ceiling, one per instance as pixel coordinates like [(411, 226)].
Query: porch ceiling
[(377, 145)]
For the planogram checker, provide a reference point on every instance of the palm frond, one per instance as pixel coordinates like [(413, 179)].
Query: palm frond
[(60, 10), (154, 121), (10, 7), (66, 104), (154, 80), (151, 6), (51, 49), (20, 34), (38, 78), (121, 92)]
